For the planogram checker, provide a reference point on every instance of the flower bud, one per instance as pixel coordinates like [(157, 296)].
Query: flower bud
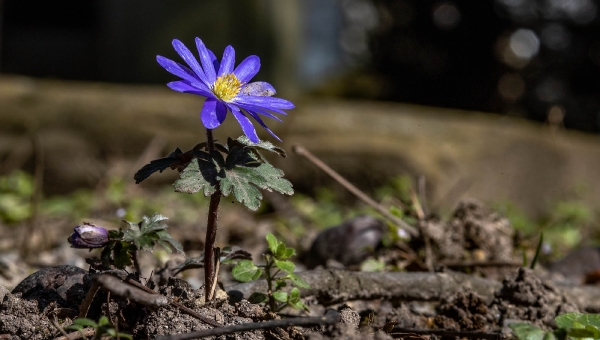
[(88, 236)]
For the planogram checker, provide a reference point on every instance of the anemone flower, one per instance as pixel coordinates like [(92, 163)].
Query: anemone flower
[(226, 89), (88, 236)]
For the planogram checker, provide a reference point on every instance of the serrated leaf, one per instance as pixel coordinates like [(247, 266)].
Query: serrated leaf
[(273, 242), (263, 145), (240, 180), (157, 165), (246, 271), (199, 175), (298, 281), (165, 239), (289, 252), (176, 160), (257, 297), (148, 232), (244, 174), (286, 266), (280, 296)]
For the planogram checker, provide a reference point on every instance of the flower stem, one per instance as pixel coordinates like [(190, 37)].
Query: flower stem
[(210, 276)]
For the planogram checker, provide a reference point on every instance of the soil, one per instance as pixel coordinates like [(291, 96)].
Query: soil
[(474, 284)]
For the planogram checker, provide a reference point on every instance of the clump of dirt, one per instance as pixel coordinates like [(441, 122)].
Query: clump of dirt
[(473, 233), (524, 297), (527, 298)]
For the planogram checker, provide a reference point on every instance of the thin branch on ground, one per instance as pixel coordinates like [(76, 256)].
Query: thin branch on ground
[(299, 150), (330, 286), (183, 308), (84, 333), (124, 290), (330, 317), (403, 332)]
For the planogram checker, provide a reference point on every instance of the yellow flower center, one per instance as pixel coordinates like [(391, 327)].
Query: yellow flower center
[(226, 87)]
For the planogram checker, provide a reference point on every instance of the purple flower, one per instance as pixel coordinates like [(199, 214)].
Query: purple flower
[(226, 89), (88, 236)]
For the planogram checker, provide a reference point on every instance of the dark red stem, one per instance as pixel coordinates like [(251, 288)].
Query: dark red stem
[(211, 232)]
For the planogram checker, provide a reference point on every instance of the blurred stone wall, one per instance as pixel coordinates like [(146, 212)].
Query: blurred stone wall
[(89, 131)]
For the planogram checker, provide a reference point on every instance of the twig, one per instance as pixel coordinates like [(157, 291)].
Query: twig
[(215, 279), (466, 264), (54, 322), (330, 317), (422, 193), (114, 285), (78, 334), (403, 332), (183, 308), (354, 190), (89, 298)]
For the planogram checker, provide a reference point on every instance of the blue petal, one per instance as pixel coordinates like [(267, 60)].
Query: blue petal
[(207, 64), (257, 118), (228, 61), (245, 123), (187, 87), (209, 114), (177, 69), (247, 69), (266, 102), (214, 59), (189, 58), (258, 110)]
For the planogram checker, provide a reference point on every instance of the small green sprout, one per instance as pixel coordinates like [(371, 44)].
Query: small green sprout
[(103, 327), (278, 271), (120, 246), (571, 325)]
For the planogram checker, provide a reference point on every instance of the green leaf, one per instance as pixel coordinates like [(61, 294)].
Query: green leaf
[(573, 320), (294, 299), (582, 333), (372, 265), (295, 294), (280, 296), (246, 271), (286, 266), (148, 232), (257, 297), (244, 176), (280, 283), (289, 252), (103, 321), (84, 322), (526, 331), (165, 239), (199, 175), (262, 145), (298, 281), (122, 254), (273, 242)]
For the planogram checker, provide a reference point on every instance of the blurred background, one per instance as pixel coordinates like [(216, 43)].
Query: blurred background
[(496, 100), (529, 58)]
